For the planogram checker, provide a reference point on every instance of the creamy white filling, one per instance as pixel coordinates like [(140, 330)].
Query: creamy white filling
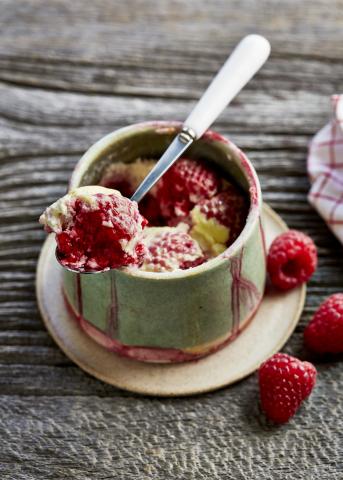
[(163, 260)]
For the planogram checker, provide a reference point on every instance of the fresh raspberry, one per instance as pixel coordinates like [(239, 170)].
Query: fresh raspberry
[(170, 249), (284, 383), (324, 333), (186, 183), (228, 208), (292, 259)]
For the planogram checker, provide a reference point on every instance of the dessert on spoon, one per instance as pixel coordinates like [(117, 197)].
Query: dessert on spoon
[(96, 229)]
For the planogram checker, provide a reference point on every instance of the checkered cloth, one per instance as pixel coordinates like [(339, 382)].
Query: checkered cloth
[(325, 169)]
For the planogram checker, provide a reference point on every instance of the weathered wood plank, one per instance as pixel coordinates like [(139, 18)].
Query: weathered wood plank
[(172, 81), (205, 437), (29, 107), (71, 72), (147, 32)]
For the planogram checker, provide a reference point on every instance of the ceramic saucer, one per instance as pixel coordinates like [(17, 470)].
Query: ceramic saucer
[(267, 333)]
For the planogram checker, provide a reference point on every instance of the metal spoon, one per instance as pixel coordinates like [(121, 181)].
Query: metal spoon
[(246, 59), (75, 270)]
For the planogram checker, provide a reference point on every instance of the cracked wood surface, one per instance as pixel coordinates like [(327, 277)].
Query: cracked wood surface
[(71, 72)]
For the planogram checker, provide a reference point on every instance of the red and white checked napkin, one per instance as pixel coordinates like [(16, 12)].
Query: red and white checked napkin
[(325, 169)]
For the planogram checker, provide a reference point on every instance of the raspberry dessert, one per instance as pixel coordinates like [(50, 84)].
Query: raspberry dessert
[(170, 249), (96, 229), (217, 222), (292, 260), (284, 383), (190, 195), (175, 303), (186, 183), (324, 333), (193, 216)]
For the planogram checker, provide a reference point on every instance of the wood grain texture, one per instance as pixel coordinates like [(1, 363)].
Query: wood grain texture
[(71, 72)]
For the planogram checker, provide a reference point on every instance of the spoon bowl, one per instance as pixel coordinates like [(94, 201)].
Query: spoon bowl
[(75, 270)]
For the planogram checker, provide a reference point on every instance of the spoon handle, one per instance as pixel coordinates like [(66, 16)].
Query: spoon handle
[(246, 59)]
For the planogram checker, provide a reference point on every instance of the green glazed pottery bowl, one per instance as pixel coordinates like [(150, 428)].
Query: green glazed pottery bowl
[(175, 316)]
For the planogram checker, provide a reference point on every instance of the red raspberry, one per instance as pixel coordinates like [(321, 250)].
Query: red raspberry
[(186, 183), (228, 208), (170, 249), (292, 259), (324, 333), (284, 383)]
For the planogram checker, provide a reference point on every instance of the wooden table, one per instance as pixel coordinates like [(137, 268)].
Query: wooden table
[(71, 71)]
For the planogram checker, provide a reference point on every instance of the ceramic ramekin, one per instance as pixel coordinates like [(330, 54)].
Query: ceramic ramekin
[(181, 315)]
